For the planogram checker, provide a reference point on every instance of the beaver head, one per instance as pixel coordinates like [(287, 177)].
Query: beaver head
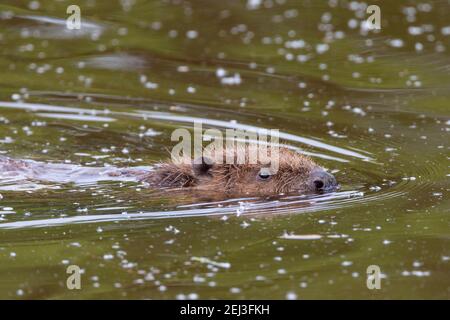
[(294, 173)]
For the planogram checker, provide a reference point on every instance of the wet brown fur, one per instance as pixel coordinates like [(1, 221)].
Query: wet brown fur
[(237, 179)]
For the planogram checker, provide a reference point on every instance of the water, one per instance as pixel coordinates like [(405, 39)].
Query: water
[(373, 108)]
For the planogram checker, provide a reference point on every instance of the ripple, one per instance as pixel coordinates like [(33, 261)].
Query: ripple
[(188, 119), (75, 117), (50, 28), (368, 170), (301, 204)]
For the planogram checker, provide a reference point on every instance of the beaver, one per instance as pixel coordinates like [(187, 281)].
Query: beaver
[(295, 173)]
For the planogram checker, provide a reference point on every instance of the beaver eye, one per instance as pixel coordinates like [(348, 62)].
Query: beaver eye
[(264, 174)]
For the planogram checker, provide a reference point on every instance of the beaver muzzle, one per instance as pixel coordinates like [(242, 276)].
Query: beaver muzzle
[(322, 181)]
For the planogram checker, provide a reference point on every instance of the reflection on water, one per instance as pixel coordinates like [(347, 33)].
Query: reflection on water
[(292, 205), (370, 107)]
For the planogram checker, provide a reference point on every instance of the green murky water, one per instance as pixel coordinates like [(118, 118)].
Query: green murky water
[(373, 107)]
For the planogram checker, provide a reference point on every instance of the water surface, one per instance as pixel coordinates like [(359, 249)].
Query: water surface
[(372, 107)]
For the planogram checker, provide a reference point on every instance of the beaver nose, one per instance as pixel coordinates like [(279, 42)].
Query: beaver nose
[(323, 181)]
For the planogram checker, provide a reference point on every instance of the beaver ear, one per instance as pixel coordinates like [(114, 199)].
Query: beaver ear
[(202, 165)]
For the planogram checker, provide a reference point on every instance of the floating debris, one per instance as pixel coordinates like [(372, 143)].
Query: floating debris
[(224, 265), (291, 236)]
